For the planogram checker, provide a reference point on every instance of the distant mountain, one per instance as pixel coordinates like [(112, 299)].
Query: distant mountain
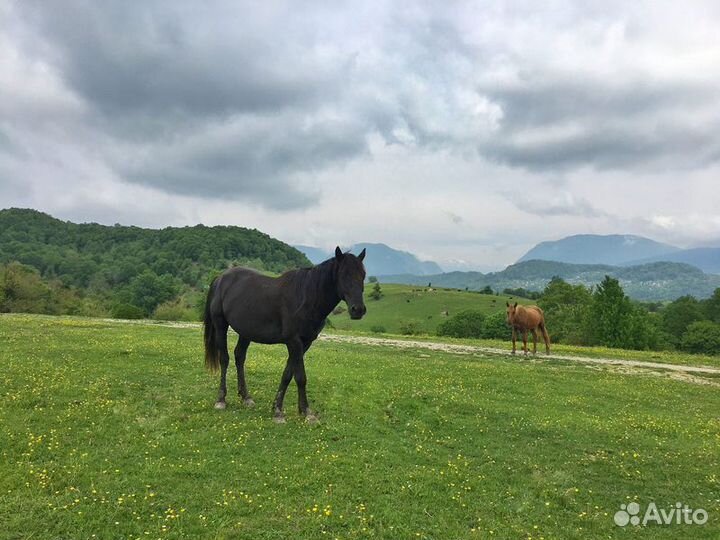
[(658, 281), (381, 259), (314, 254), (614, 249), (706, 259)]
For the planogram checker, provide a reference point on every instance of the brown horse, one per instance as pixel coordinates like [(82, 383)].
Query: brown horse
[(524, 318)]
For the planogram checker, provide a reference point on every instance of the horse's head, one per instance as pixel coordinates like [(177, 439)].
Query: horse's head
[(351, 281), (511, 312)]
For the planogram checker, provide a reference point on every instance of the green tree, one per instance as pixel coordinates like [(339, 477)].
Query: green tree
[(679, 314), (702, 337), (147, 290), (376, 293), (711, 306), (566, 309), (611, 316), (487, 289)]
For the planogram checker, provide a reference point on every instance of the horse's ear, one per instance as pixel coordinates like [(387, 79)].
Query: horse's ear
[(515, 304), (362, 254), (338, 253)]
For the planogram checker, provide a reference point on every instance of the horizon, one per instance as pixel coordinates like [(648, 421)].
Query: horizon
[(380, 243), (463, 134)]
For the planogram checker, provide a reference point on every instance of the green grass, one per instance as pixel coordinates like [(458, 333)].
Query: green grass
[(108, 429), (422, 306)]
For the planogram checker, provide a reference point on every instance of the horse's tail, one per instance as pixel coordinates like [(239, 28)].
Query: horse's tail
[(545, 334), (212, 353)]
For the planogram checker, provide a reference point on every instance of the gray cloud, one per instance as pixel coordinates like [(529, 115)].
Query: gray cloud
[(226, 103), (542, 202)]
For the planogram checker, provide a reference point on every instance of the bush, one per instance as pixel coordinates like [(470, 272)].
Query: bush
[(376, 293), (409, 328), (702, 337), (329, 324), (378, 329), (495, 326), (466, 324), (175, 311), (127, 311)]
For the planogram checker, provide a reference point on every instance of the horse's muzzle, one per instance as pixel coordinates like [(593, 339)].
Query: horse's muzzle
[(357, 311)]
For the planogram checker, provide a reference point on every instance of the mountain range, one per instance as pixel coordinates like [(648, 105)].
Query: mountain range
[(622, 250), (381, 259), (657, 281)]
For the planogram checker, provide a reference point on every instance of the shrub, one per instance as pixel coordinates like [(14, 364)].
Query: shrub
[(702, 337), (409, 328), (329, 324), (378, 329), (376, 293), (495, 326), (127, 311), (174, 311), (466, 324)]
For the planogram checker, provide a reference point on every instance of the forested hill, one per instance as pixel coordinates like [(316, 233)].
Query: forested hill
[(108, 261)]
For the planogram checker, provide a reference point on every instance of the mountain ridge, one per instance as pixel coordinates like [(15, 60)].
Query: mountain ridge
[(381, 259), (657, 281), (613, 249)]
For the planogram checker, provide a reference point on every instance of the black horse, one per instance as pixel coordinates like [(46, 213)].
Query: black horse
[(289, 309)]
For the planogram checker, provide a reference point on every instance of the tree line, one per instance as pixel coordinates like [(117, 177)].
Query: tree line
[(57, 267), (604, 315)]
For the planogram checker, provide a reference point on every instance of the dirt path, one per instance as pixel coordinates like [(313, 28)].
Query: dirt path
[(473, 349), (692, 374)]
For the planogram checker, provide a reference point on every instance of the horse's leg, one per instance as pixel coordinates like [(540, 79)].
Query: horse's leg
[(295, 352), (301, 381), (524, 336), (240, 355), (514, 337), (534, 334), (221, 328)]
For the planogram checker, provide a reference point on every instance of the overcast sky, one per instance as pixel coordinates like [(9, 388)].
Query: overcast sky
[(464, 132)]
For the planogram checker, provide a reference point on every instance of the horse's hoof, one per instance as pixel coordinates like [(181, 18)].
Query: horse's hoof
[(312, 419), (220, 405), (279, 418), (249, 402)]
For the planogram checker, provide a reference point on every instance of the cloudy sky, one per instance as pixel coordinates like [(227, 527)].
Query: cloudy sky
[(464, 132)]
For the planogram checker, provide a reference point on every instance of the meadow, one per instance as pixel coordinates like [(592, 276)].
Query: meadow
[(107, 430), (424, 307)]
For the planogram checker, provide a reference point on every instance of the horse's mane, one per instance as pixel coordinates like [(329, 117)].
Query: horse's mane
[(307, 283)]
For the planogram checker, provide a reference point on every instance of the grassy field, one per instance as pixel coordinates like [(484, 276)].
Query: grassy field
[(107, 431), (422, 306)]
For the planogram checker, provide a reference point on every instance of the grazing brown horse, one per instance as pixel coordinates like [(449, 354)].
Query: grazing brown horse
[(524, 318)]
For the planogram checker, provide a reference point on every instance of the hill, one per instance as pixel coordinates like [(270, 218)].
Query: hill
[(422, 307), (659, 281), (381, 259), (706, 259), (611, 249), (130, 264)]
